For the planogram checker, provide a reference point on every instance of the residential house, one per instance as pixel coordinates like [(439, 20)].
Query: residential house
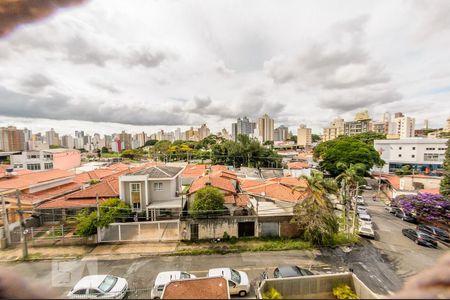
[(393, 185), (298, 168), (154, 192), (192, 172)]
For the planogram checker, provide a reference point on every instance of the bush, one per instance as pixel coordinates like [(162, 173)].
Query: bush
[(233, 240), (272, 294), (225, 236), (343, 291)]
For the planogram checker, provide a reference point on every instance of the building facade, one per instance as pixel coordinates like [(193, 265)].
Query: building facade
[(242, 126), (405, 126), (265, 128), (424, 155), (304, 136), (11, 139), (280, 134), (63, 159), (335, 129)]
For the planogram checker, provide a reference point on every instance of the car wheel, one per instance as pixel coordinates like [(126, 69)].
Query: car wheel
[(242, 293), (417, 242)]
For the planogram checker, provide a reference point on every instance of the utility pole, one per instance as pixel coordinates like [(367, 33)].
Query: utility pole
[(23, 237), (5, 222)]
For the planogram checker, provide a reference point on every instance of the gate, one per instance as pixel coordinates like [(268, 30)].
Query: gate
[(270, 229), (156, 231), (246, 229)]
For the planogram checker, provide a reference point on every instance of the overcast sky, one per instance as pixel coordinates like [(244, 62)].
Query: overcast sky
[(148, 65)]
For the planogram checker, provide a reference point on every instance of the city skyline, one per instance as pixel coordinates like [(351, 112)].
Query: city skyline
[(194, 70)]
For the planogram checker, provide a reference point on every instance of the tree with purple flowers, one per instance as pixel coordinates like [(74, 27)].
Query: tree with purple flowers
[(427, 207)]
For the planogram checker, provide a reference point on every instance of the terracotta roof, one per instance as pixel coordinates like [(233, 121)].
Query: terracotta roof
[(198, 288), (298, 165), (70, 203), (394, 180), (219, 168), (24, 181), (58, 191), (246, 183), (215, 181), (289, 181), (242, 200), (225, 174), (276, 191), (194, 171)]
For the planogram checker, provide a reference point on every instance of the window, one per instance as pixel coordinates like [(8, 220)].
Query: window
[(80, 292), (18, 166), (158, 186), (136, 195), (48, 166), (32, 156), (93, 292), (430, 157), (399, 148), (414, 148), (431, 148), (412, 156), (33, 167), (109, 282), (399, 155)]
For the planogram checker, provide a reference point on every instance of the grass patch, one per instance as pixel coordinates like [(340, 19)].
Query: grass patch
[(344, 239)]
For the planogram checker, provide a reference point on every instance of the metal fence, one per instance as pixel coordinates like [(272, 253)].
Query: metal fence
[(168, 230), (58, 234)]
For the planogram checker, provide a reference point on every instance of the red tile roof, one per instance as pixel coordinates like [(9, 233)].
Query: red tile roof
[(298, 165), (394, 180), (194, 171), (242, 200), (198, 288), (24, 181), (58, 191), (219, 168), (215, 181), (224, 174), (276, 191), (246, 183), (290, 181)]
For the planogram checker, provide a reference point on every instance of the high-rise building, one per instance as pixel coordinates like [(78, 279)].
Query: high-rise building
[(361, 124), (177, 134), (141, 138), (52, 138), (335, 129), (280, 133), (405, 126), (242, 126), (203, 132), (224, 133), (304, 136), (265, 128), (12, 139), (125, 138), (67, 141)]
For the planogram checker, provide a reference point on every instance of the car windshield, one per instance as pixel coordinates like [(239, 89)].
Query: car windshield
[(185, 275), (235, 276), (107, 284)]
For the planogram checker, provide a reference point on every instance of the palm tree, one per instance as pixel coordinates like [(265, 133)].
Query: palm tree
[(314, 215), (318, 188), (349, 180)]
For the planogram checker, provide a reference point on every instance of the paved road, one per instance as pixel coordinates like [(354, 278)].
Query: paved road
[(407, 257), (381, 264)]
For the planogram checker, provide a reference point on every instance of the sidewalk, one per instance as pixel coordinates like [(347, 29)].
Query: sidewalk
[(55, 252)]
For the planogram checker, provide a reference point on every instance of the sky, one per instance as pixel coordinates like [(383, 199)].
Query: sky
[(145, 65)]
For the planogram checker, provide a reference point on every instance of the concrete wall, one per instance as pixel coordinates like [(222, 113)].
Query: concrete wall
[(406, 182), (215, 228), (315, 287)]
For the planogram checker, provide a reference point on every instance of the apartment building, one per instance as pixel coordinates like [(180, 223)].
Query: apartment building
[(280, 134), (304, 136), (361, 124), (404, 126), (63, 159), (242, 126), (11, 139), (335, 129), (265, 128), (425, 155)]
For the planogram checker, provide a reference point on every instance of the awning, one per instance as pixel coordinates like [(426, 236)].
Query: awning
[(175, 203)]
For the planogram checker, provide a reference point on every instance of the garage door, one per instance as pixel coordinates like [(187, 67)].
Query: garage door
[(246, 229), (269, 229)]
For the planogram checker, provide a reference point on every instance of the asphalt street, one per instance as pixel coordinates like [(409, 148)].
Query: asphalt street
[(382, 264)]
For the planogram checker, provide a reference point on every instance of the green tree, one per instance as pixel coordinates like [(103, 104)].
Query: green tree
[(445, 182), (150, 143), (110, 210), (346, 150), (293, 138), (315, 138), (314, 215), (55, 147), (404, 170), (369, 137), (207, 201), (133, 154), (105, 150)]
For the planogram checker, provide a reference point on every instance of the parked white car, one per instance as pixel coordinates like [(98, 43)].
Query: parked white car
[(238, 282), (367, 231), (99, 287), (360, 200), (164, 278), (361, 210), (365, 219)]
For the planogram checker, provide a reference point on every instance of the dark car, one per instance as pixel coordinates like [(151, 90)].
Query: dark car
[(435, 232), (394, 210), (421, 238), (290, 271), (405, 216)]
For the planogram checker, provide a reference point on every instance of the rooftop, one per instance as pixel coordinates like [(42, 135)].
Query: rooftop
[(198, 288), (24, 181), (159, 172)]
